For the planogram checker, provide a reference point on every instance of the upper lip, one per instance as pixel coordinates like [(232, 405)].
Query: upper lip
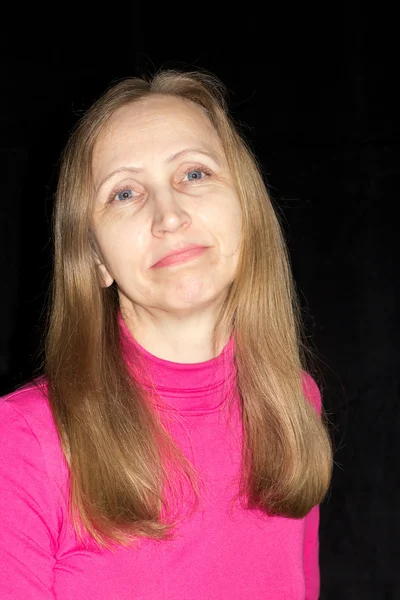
[(178, 250)]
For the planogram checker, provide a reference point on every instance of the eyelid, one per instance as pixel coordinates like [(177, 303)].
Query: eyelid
[(129, 185), (122, 188), (198, 167)]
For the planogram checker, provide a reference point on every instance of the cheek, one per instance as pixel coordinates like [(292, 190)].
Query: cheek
[(229, 221), (117, 245), (236, 218), (222, 217)]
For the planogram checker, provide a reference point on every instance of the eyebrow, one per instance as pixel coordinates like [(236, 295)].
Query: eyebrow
[(168, 160)]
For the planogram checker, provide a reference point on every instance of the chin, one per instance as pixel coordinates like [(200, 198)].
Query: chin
[(195, 295)]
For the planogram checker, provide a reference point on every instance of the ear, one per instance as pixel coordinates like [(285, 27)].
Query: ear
[(105, 275), (106, 278)]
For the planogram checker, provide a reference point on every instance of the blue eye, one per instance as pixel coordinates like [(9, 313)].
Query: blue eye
[(195, 175), (124, 195)]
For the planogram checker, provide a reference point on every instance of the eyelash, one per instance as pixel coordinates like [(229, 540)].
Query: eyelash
[(192, 168), (117, 191), (200, 168)]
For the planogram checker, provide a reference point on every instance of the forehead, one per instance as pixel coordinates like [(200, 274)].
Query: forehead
[(161, 119)]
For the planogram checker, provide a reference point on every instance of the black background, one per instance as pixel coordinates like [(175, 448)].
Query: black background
[(314, 89)]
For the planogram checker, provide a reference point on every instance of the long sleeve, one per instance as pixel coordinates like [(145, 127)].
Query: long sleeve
[(311, 534), (42, 559), (28, 522), (311, 554)]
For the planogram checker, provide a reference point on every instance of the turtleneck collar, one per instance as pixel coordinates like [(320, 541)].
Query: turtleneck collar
[(182, 387)]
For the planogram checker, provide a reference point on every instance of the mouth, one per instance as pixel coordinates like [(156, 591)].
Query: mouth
[(179, 257)]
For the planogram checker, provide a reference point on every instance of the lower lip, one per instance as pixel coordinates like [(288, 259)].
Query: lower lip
[(182, 257)]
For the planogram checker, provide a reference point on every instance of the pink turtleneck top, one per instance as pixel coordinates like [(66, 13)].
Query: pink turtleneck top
[(221, 551)]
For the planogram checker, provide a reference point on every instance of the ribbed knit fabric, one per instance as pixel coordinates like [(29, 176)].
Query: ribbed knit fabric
[(220, 552)]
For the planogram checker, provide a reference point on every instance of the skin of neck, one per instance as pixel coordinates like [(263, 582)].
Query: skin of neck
[(184, 337)]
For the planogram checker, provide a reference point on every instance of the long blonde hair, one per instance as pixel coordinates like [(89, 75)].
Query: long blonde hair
[(119, 454)]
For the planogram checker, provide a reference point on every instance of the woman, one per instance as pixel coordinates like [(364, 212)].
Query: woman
[(174, 448)]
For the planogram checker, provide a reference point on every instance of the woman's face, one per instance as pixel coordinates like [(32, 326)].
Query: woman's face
[(162, 181)]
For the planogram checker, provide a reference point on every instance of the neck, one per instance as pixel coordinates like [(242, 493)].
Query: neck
[(173, 338)]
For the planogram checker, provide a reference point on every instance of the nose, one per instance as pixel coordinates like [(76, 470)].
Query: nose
[(169, 213)]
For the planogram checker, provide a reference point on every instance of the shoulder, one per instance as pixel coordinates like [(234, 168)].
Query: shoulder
[(311, 391), (33, 478), (27, 429), (27, 406)]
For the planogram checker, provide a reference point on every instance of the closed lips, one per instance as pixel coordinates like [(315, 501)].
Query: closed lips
[(178, 251)]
